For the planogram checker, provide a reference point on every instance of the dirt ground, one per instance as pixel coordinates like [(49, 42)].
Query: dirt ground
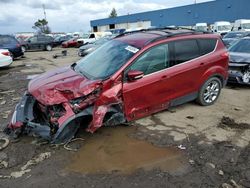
[(186, 146)]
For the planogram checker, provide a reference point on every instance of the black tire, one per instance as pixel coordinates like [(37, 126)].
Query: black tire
[(12, 56), (48, 47), (207, 95)]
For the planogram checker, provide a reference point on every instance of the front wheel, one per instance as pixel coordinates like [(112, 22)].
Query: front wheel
[(209, 92), (48, 47)]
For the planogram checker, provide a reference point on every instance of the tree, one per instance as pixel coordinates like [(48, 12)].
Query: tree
[(113, 13), (42, 26)]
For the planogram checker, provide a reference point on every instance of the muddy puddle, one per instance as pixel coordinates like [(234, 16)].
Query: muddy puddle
[(113, 150)]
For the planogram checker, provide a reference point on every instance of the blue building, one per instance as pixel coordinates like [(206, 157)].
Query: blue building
[(208, 12)]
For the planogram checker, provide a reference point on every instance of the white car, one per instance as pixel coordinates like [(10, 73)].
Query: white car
[(5, 58)]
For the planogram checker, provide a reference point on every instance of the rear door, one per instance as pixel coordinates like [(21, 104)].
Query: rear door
[(33, 43)]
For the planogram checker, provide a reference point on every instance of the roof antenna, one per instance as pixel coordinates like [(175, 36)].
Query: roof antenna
[(44, 12)]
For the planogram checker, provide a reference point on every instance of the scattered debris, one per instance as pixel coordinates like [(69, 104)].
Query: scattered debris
[(221, 173), (3, 164), (7, 92), (227, 122), (191, 162), (5, 114), (210, 165), (190, 117), (237, 109), (25, 169), (3, 102), (63, 53), (67, 147), (181, 147), (225, 185), (5, 141), (235, 184), (30, 77)]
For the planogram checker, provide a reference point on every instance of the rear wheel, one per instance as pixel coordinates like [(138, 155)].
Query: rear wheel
[(12, 56), (23, 48), (48, 47), (209, 92)]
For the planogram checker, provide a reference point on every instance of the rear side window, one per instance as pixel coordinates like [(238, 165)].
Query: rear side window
[(185, 50), (207, 45), (7, 40)]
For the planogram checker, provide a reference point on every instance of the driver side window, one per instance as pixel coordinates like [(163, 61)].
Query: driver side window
[(155, 59)]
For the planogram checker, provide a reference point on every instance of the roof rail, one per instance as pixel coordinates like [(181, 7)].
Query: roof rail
[(191, 32), (161, 29)]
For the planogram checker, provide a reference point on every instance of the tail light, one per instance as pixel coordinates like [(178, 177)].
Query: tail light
[(225, 55), (6, 53)]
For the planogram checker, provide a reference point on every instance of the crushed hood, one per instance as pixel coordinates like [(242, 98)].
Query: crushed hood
[(236, 57), (60, 86)]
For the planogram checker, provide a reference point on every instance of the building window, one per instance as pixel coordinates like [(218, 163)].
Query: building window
[(95, 29), (111, 26)]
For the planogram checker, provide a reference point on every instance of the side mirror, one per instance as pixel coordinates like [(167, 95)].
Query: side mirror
[(135, 75)]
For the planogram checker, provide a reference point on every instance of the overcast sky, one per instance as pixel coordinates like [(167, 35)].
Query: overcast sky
[(72, 15)]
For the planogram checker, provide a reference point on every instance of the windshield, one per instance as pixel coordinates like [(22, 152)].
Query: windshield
[(242, 46), (201, 28), (106, 60), (224, 28), (245, 26), (101, 41), (234, 35)]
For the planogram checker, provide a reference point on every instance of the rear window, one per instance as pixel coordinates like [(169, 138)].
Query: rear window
[(7, 40), (185, 50), (207, 45)]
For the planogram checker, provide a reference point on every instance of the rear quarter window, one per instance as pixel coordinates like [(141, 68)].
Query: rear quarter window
[(207, 45), (185, 50)]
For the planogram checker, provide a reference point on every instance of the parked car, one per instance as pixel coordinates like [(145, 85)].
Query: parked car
[(239, 66), (92, 37), (60, 39), (242, 25), (132, 76), (201, 27), (12, 44), (5, 58), (233, 36), (222, 27), (88, 48), (70, 43), (38, 42)]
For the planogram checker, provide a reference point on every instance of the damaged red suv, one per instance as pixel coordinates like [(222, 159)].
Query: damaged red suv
[(130, 77)]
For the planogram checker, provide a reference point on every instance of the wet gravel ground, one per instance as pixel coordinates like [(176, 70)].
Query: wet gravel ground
[(213, 142)]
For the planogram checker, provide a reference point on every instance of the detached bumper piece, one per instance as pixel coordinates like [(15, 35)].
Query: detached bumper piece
[(239, 73), (22, 120)]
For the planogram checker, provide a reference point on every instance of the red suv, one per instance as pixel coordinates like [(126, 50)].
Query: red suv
[(132, 76)]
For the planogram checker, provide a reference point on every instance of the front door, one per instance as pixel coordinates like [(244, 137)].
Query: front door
[(147, 95)]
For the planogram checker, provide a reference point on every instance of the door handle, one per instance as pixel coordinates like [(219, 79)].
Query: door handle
[(201, 64), (165, 77)]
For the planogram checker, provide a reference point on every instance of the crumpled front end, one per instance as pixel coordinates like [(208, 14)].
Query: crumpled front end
[(58, 122), (239, 73)]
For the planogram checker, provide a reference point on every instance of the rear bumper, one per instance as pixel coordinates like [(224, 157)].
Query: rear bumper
[(6, 61), (236, 77), (17, 52)]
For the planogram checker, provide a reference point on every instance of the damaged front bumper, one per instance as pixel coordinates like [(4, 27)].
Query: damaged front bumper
[(29, 118), (239, 73), (59, 123)]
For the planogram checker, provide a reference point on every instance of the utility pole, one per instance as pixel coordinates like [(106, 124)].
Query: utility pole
[(44, 12)]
